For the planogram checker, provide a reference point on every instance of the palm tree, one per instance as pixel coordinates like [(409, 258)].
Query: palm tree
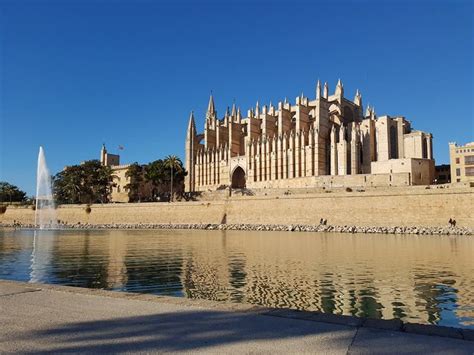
[(174, 163)]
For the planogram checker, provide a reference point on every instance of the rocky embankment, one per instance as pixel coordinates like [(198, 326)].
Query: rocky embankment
[(268, 227)]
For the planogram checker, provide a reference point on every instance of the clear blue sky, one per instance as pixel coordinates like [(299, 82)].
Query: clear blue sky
[(75, 74)]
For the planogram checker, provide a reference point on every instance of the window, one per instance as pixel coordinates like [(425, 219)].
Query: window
[(470, 171), (458, 172), (393, 143), (424, 149), (457, 161), (469, 160)]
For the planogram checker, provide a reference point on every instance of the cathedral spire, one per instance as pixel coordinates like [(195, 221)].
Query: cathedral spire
[(191, 124), (367, 111), (339, 89), (326, 90), (372, 113), (257, 110), (211, 109), (234, 112), (190, 153), (318, 90), (358, 98), (226, 116)]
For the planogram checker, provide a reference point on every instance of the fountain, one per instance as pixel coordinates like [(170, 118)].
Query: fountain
[(45, 214)]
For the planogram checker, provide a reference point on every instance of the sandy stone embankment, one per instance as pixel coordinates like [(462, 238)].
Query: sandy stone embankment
[(409, 210)]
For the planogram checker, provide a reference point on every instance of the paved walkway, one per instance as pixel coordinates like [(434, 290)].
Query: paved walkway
[(42, 318)]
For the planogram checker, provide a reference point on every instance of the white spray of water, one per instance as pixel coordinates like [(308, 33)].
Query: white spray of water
[(45, 215), (41, 261)]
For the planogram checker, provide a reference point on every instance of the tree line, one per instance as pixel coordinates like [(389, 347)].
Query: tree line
[(10, 193), (89, 182), (92, 182)]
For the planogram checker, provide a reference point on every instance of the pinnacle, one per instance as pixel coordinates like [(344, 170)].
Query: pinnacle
[(211, 107)]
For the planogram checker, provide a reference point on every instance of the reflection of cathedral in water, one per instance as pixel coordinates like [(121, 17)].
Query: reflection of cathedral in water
[(397, 277), (117, 276), (288, 275)]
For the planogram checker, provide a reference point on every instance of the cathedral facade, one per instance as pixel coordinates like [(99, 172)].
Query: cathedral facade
[(328, 141)]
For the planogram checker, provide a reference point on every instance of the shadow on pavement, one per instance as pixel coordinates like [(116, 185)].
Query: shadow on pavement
[(188, 331)]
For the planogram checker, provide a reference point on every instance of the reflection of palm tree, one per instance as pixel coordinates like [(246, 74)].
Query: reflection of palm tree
[(174, 163)]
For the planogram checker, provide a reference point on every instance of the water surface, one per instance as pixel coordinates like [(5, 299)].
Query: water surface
[(426, 279)]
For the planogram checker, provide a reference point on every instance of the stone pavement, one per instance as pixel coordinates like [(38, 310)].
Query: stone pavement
[(44, 318)]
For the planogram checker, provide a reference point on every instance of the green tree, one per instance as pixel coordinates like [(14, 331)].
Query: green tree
[(155, 174), (11, 193), (68, 185), (135, 175), (99, 178), (89, 182), (176, 171)]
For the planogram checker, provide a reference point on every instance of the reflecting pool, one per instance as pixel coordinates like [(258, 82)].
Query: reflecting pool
[(426, 279)]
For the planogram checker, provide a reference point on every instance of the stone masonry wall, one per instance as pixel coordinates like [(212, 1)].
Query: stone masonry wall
[(410, 207)]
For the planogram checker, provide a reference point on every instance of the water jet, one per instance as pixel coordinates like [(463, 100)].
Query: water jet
[(45, 213)]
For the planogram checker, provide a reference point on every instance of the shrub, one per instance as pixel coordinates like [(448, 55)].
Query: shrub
[(3, 209), (348, 189), (88, 209)]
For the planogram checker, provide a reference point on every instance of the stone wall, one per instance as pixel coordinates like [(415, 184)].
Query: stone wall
[(387, 207), (360, 209), (334, 181), (420, 171)]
